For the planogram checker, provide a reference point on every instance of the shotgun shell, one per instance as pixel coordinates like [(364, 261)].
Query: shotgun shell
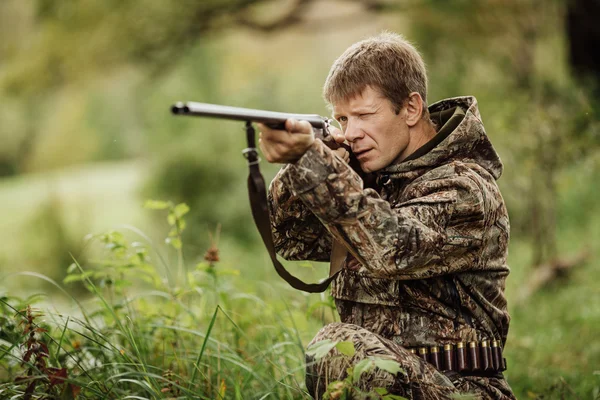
[(474, 356), (495, 354), (490, 355), (434, 356), (484, 356), (448, 358), (413, 351), (461, 357), (501, 357), (423, 353)]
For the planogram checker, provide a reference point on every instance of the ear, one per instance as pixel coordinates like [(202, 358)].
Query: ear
[(414, 109)]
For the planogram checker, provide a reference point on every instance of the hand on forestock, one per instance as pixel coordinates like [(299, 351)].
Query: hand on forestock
[(286, 146)]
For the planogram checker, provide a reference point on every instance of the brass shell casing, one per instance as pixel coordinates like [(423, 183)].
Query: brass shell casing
[(449, 356), (485, 356), (495, 355), (474, 360), (423, 353), (434, 356), (461, 357)]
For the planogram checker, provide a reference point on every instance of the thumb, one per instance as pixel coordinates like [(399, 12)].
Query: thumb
[(337, 134), (343, 154), (294, 126)]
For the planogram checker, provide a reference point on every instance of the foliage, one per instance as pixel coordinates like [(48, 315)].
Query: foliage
[(347, 388), (77, 38), (87, 81), (143, 334), (54, 381)]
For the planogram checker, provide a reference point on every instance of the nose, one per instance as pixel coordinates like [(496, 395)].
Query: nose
[(353, 132)]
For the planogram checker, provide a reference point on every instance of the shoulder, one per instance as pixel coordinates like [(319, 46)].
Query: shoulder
[(471, 189), (453, 176)]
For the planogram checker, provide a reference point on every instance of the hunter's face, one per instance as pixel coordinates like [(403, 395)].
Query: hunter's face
[(376, 134)]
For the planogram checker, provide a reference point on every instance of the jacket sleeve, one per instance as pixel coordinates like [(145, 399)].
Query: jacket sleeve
[(297, 232), (437, 231)]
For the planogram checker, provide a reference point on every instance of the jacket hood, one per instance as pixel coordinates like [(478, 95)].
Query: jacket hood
[(461, 137)]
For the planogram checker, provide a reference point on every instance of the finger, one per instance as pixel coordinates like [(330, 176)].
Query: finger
[(294, 126), (304, 127), (270, 135), (262, 127), (337, 134), (266, 149), (343, 153)]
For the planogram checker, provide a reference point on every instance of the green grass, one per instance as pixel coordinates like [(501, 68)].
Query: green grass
[(204, 339), (553, 345), (553, 348), (235, 330)]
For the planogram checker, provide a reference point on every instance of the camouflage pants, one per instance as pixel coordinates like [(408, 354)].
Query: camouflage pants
[(420, 380)]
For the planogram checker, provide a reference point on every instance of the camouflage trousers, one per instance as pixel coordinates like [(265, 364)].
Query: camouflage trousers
[(418, 380)]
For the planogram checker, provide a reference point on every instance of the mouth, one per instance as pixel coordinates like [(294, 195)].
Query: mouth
[(361, 153)]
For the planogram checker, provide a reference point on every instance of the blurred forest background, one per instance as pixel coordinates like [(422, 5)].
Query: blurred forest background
[(86, 136)]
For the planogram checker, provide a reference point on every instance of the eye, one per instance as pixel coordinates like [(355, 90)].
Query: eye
[(343, 119)]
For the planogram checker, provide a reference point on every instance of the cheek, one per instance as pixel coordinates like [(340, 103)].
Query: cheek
[(395, 144)]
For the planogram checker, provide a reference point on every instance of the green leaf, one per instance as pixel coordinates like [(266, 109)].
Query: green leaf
[(181, 209), (173, 241), (320, 349), (121, 283), (381, 391), (78, 277), (171, 219), (346, 348), (391, 366), (72, 268), (156, 204), (72, 278), (362, 366), (203, 266)]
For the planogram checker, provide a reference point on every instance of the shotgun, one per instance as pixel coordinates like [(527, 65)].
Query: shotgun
[(273, 119), (256, 184)]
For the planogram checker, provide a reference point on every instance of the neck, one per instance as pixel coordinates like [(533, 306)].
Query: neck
[(420, 134)]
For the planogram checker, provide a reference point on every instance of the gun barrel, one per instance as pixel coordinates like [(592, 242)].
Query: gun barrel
[(270, 118)]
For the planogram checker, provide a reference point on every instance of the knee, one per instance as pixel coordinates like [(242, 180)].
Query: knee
[(339, 332), (333, 365)]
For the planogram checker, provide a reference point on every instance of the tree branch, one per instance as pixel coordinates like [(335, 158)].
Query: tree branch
[(293, 17)]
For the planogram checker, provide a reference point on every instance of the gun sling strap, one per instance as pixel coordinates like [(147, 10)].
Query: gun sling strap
[(260, 211)]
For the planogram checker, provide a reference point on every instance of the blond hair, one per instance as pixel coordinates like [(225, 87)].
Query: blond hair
[(387, 62)]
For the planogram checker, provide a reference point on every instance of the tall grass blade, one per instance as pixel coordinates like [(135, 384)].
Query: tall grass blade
[(197, 363)]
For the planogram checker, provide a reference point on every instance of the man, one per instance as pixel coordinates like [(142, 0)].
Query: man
[(425, 272)]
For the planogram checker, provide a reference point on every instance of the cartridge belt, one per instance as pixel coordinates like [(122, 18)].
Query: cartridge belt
[(483, 358)]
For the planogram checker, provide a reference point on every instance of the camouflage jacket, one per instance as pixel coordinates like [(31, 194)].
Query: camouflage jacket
[(428, 246)]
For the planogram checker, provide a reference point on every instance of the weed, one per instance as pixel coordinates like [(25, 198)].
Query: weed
[(152, 335)]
